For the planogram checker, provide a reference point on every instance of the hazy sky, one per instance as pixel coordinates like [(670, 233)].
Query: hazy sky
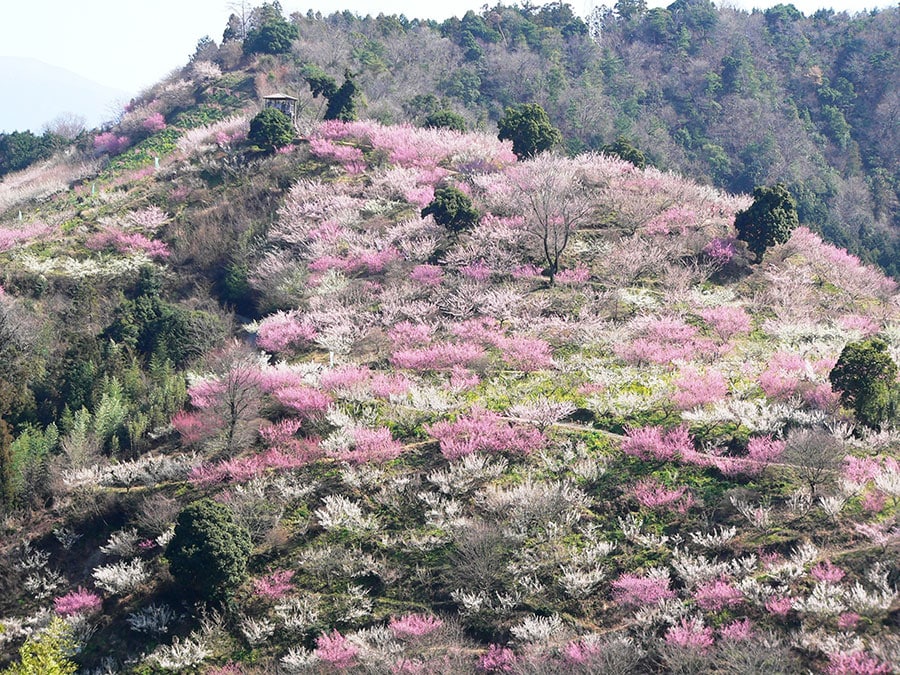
[(131, 44)]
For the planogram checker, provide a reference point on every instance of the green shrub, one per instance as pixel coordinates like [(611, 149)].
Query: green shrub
[(769, 220), (446, 119), (452, 209), (864, 374), (209, 552), (528, 127), (271, 129)]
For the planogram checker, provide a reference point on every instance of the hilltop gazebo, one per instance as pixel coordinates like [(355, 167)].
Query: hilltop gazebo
[(284, 103)]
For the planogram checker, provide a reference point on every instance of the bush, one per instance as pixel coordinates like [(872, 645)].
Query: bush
[(529, 128), (342, 104), (273, 37), (623, 149), (209, 552), (863, 374), (452, 209), (271, 129), (446, 119), (769, 220)]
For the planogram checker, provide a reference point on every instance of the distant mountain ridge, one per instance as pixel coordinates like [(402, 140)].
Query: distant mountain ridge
[(36, 92)]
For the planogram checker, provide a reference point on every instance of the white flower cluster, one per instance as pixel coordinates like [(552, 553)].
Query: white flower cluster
[(154, 618), (181, 654), (339, 513), (121, 577), (123, 543)]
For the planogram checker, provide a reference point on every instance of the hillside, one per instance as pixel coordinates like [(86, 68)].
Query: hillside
[(399, 442)]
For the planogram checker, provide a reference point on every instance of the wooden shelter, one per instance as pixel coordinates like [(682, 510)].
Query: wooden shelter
[(284, 103)]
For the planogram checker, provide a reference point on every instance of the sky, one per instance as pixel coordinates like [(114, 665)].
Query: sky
[(129, 45)]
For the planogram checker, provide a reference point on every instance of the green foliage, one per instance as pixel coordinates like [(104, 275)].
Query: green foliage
[(31, 453), (864, 374), (529, 128), (7, 487), (47, 652), (142, 155), (446, 119), (209, 552), (769, 220), (623, 149), (110, 416), (341, 100), (273, 36), (151, 327), (452, 209), (21, 149), (320, 83), (342, 104), (271, 129)]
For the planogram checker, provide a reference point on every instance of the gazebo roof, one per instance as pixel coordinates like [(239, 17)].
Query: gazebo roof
[(279, 97)]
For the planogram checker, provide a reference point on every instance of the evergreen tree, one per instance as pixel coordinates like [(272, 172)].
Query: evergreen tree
[(271, 129), (342, 103), (864, 374), (446, 119), (452, 209), (7, 490), (769, 220), (529, 128), (209, 552)]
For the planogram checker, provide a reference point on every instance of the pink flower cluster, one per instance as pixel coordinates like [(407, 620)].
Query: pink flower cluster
[(371, 446), (789, 374), (693, 388), (275, 585), (779, 606), (827, 573), (241, 469), (414, 625), (305, 400), (427, 275), (370, 262), (109, 143), (690, 634), (154, 122), (283, 332), (412, 147), (29, 232), (637, 591), (80, 601), (440, 356), (497, 659), (335, 649), (655, 443), (193, 427), (349, 156), (574, 276), (663, 341), (674, 220), (280, 432), (856, 663), (727, 320), (484, 431), (720, 251), (126, 243), (654, 495), (716, 595)]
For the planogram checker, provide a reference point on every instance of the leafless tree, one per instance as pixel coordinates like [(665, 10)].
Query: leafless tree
[(814, 455), (557, 201)]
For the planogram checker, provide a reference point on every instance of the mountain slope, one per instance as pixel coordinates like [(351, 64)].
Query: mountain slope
[(445, 460)]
